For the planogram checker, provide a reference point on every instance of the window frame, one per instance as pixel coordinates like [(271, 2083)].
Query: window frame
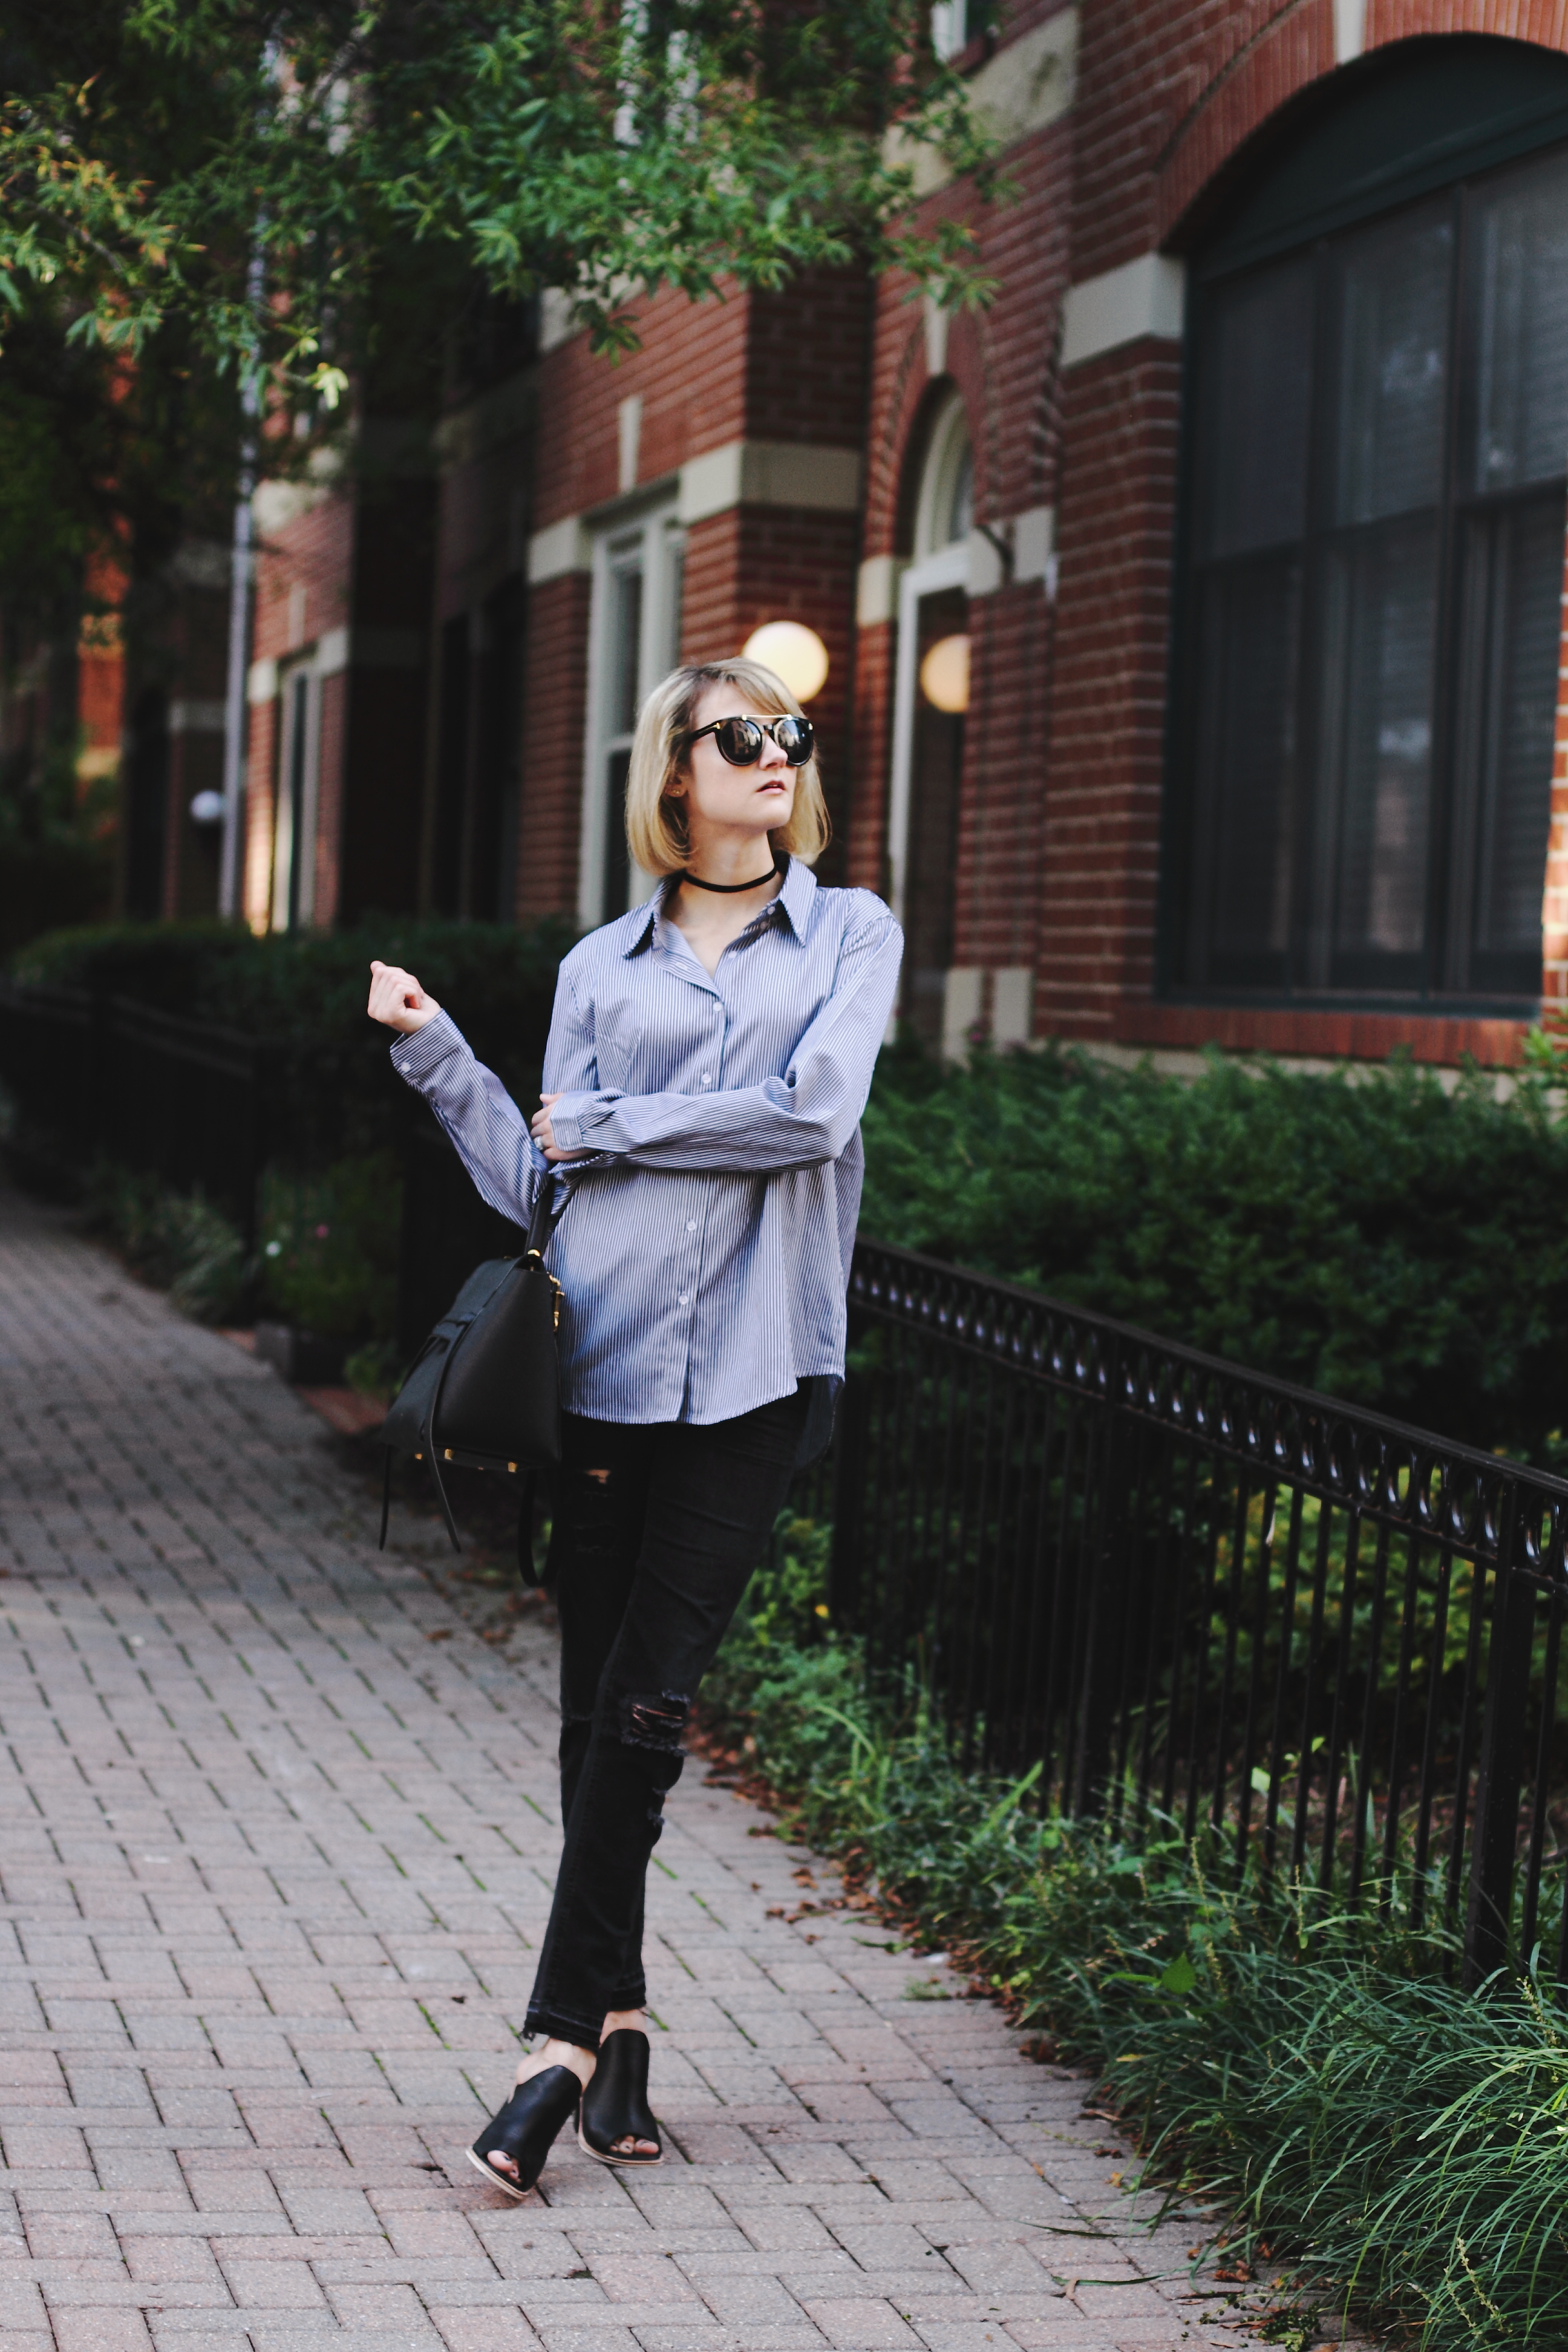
[(294, 830), (661, 545)]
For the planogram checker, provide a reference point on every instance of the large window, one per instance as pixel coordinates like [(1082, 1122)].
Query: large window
[(1367, 681)]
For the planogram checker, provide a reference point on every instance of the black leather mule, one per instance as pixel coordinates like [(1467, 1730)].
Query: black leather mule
[(525, 2129), (614, 2104)]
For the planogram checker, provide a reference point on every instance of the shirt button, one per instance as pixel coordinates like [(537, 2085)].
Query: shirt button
[(706, 1079), (682, 1300), (692, 1224)]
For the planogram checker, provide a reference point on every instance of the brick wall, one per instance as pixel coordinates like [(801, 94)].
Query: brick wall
[(1119, 423), (690, 375), (304, 579), (805, 361), (555, 690)]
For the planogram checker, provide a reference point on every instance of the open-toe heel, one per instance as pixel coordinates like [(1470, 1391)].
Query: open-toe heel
[(525, 2129), (614, 2104)]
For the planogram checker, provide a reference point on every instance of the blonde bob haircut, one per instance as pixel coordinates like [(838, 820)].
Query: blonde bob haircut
[(656, 824)]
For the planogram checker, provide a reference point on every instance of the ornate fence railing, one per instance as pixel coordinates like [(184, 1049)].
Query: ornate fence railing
[(1177, 1585), (192, 1102)]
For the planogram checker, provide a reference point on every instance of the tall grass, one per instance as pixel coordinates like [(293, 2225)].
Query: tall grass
[(1323, 2076)]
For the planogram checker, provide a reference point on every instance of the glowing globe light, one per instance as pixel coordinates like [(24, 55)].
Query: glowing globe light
[(793, 653), (945, 673)]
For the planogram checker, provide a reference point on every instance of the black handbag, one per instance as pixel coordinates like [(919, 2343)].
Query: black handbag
[(484, 1391)]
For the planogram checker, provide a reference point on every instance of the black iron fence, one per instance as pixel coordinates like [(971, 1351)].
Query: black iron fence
[(1168, 1582), (199, 1106), (1172, 1584)]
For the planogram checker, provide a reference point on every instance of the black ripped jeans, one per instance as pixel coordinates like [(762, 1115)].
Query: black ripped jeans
[(656, 1530)]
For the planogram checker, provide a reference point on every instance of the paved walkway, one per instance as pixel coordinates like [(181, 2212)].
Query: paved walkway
[(279, 1833)]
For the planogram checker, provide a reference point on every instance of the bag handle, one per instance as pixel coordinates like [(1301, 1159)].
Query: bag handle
[(546, 1216)]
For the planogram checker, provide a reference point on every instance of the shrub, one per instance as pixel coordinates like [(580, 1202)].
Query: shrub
[(330, 1247), (177, 1241), (1373, 1234), (305, 993), (1405, 2143)]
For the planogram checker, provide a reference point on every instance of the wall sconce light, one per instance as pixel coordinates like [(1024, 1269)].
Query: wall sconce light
[(944, 675), (793, 653)]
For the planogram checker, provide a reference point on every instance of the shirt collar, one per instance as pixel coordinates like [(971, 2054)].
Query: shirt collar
[(794, 898)]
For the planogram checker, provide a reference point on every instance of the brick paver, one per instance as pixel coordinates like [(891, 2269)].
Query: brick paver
[(279, 1834)]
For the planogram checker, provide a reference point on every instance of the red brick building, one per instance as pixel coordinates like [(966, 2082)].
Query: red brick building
[(1246, 498)]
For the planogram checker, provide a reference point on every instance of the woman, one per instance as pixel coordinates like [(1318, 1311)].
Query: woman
[(710, 1056)]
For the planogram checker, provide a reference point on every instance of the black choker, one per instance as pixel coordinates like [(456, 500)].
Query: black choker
[(725, 888)]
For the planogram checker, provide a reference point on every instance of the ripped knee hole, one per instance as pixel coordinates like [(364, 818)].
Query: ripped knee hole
[(653, 1720)]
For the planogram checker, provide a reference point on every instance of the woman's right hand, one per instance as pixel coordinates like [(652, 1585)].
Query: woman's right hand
[(397, 999)]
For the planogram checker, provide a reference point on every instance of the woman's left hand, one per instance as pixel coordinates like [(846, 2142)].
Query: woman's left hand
[(397, 999), (539, 1129)]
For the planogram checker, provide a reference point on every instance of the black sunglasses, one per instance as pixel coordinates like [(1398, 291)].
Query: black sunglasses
[(740, 740)]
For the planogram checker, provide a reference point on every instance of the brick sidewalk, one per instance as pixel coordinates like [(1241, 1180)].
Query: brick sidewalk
[(280, 1830)]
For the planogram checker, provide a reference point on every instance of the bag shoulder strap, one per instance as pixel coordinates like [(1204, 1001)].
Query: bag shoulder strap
[(547, 1216)]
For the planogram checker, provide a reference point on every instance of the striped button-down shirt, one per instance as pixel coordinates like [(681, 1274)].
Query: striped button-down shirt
[(704, 1250)]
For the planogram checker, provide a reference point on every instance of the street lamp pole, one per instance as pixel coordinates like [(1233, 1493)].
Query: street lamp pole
[(234, 709)]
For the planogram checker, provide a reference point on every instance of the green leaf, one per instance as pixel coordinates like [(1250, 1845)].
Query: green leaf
[(1179, 1976)]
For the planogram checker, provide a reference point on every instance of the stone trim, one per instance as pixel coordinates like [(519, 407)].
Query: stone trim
[(770, 474), (1144, 297)]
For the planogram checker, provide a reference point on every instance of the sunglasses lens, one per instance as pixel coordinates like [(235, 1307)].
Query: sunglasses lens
[(796, 738), (740, 741)]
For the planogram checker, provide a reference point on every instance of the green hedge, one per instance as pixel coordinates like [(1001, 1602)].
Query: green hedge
[(1404, 2143), (305, 992), (1372, 1234)]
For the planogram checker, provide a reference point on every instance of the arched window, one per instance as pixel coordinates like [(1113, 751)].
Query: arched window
[(944, 505), (931, 692), (1377, 445)]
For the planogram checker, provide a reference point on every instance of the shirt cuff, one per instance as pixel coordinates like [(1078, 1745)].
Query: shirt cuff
[(414, 1057), (567, 1118)]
